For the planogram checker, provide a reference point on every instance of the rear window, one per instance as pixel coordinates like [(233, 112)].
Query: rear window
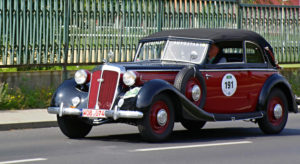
[(253, 53)]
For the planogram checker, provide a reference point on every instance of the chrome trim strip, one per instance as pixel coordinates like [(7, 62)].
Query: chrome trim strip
[(164, 52), (247, 69), (99, 88), (171, 37), (90, 89), (64, 111), (156, 70), (138, 51), (115, 114), (204, 70)]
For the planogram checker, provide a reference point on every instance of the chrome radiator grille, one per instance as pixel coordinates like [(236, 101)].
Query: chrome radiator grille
[(103, 87)]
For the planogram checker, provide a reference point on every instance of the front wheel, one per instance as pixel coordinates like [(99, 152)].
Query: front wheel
[(276, 114), (158, 121), (73, 127)]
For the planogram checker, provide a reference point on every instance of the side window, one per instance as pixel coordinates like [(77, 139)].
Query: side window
[(253, 53), (233, 54)]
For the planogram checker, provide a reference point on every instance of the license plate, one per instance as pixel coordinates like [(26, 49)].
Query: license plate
[(95, 113)]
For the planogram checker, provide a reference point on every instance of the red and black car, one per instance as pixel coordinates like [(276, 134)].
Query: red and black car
[(190, 76)]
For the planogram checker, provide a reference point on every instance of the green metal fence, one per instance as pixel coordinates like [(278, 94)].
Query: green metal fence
[(56, 32)]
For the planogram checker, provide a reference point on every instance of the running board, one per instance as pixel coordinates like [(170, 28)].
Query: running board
[(241, 116)]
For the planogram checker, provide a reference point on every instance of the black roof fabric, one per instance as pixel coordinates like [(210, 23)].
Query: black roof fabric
[(216, 35)]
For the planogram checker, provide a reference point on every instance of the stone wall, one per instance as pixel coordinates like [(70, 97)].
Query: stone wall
[(54, 78), (37, 79)]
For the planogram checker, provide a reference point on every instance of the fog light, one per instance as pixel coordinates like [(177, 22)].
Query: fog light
[(120, 103), (75, 101)]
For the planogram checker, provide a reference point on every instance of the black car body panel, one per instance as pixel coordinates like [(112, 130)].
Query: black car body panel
[(276, 80)]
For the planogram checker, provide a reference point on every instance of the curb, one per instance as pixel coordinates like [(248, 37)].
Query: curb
[(30, 125)]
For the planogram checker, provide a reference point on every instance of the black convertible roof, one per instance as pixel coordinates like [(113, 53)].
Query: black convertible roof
[(215, 35)]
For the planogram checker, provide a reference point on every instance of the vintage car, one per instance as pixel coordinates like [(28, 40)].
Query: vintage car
[(178, 76)]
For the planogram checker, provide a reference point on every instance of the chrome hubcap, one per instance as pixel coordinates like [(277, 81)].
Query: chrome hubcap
[(277, 111), (196, 93), (162, 117)]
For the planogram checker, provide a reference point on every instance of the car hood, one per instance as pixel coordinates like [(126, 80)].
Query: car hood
[(148, 65)]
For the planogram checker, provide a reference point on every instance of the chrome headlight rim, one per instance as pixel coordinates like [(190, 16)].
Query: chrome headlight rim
[(129, 78), (81, 76)]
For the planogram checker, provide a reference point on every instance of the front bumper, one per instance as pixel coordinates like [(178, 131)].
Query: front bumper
[(115, 114)]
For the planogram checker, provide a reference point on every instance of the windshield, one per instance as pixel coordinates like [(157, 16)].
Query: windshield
[(183, 51)]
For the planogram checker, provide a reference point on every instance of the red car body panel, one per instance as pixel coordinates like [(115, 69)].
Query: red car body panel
[(244, 99), (94, 87), (145, 76), (249, 84)]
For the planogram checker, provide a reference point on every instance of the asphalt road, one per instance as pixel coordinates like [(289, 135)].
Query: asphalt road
[(224, 142)]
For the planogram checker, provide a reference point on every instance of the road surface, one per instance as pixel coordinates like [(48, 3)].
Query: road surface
[(223, 142)]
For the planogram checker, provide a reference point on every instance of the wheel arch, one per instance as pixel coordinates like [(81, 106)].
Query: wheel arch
[(153, 88), (277, 81)]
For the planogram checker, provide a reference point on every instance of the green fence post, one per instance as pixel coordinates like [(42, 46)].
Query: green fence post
[(240, 17), (66, 38), (159, 15)]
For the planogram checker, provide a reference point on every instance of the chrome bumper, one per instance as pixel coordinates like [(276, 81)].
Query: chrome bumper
[(115, 114)]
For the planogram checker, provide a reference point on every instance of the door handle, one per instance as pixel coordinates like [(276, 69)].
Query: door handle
[(207, 76)]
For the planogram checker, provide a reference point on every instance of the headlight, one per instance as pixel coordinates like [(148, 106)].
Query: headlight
[(82, 76), (129, 78)]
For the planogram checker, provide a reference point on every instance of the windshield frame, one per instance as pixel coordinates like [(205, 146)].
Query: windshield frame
[(168, 39)]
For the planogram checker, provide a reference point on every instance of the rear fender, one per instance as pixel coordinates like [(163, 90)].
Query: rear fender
[(277, 81)]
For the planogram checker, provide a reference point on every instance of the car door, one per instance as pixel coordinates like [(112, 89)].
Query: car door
[(258, 71), (228, 84)]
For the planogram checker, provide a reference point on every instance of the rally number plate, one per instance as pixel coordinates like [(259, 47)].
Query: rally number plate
[(95, 113)]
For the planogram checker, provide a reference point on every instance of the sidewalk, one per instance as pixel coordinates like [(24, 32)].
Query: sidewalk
[(24, 119)]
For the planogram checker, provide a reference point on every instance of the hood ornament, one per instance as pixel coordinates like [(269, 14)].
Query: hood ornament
[(110, 56)]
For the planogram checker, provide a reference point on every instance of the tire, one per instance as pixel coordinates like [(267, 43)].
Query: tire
[(186, 79), (150, 128), (193, 126), (73, 127), (270, 124), (184, 82)]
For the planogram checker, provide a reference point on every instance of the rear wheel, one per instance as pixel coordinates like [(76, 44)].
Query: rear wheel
[(73, 127), (276, 113), (158, 121)]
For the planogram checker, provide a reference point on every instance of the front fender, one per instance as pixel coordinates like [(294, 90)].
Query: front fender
[(150, 90), (66, 92), (276, 80), (157, 86)]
